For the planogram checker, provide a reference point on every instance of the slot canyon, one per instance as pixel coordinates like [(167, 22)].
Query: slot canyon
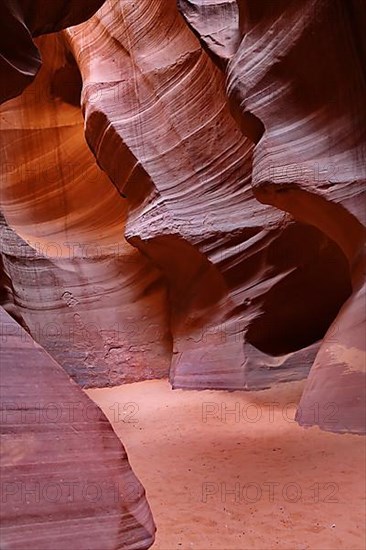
[(182, 274)]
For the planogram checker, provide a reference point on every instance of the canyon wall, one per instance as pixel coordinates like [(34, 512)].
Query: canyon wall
[(155, 102), (66, 480), (218, 233), (20, 21)]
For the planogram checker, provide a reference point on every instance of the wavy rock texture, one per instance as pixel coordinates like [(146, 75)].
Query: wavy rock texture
[(187, 129), (298, 73), (20, 20), (154, 98), (320, 178), (65, 478), (88, 297)]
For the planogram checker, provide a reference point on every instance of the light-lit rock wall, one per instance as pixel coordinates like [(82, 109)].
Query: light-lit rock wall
[(86, 295)]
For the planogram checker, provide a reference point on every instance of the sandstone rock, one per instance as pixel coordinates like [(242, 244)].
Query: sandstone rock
[(65, 477), (88, 297), (158, 102), (21, 20), (216, 24)]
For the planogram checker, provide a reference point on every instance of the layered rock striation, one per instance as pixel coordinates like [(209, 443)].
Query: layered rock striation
[(87, 296), (158, 102), (297, 73)]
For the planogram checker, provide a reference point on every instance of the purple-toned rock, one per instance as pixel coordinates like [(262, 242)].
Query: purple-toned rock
[(65, 477)]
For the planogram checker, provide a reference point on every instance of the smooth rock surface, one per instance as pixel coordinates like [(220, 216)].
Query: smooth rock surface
[(305, 82), (233, 133), (65, 478)]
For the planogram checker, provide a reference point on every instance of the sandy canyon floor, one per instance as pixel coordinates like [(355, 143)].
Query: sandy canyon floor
[(233, 471)]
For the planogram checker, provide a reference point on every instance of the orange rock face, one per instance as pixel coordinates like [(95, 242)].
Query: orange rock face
[(86, 295), (21, 20), (218, 227)]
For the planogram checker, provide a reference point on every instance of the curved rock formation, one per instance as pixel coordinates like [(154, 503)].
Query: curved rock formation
[(157, 101), (87, 296), (312, 73), (298, 73), (65, 477)]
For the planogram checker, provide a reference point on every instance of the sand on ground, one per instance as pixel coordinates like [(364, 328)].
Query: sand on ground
[(233, 471)]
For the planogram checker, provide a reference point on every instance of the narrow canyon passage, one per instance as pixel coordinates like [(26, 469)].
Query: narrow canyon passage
[(234, 471), (182, 246)]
